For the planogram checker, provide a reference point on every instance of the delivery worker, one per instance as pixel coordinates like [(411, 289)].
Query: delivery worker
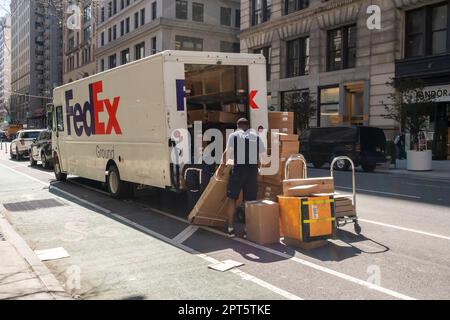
[(244, 147)]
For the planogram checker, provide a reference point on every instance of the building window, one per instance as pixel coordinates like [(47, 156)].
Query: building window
[(122, 27), (291, 6), (109, 9), (102, 14), (237, 20), (426, 31), (114, 6), (197, 12), (125, 56), (225, 16), (71, 44), (114, 32), (112, 61), (102, 39), (142, 17), (122, 4), (181, 9), (341, 48), (261, 11), (154, 12), (139, 51), (232, 47), (109, 35), (87, 33), (267, 53), (102, 65), (154, 50), (188, 43), (297, 57), (329, 107), (136, 20), (127, 25), (87, 13)]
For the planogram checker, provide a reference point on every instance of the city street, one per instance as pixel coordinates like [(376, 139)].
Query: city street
[(144, 248)]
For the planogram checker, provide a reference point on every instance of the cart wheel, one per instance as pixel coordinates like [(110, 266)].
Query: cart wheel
[(357, 228)]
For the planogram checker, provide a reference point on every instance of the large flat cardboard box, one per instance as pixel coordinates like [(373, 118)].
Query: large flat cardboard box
[(210, 209), (262, 222), (222, 117), (325, 185), (282, 121)]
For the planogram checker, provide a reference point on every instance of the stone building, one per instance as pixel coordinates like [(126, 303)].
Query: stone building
[(128, 30), (326, 49)]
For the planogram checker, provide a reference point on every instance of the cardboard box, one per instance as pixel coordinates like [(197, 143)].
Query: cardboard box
[(222, 117), (210, 209), (233, 108), (307, 219), (295, 172), (325, 185), (282, 121), (269, 191), (196, 115), (262, 222), (306, 190)]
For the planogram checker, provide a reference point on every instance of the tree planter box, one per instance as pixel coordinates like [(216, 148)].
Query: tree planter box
[(419, 160)]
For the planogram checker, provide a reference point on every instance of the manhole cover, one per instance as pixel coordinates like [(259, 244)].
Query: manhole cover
[(32, 205)]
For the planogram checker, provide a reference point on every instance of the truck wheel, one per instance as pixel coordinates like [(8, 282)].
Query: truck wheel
[(32, 161), (60, 176), (318, 164), (18, 157), (44, 161), (368, 167), (116, 187), (342, 165)]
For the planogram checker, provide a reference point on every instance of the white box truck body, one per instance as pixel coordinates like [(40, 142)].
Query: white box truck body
[(126, 116)]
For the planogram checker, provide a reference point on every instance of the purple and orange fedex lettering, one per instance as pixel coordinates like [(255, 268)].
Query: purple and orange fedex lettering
[(93, 107)]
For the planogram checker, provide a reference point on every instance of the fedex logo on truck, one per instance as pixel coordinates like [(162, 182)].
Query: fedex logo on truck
[(92, 125)]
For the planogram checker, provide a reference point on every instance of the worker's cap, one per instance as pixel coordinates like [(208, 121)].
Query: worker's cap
[(243, 121)]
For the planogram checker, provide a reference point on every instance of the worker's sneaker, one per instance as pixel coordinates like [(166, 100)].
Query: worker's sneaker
[(231, 233)]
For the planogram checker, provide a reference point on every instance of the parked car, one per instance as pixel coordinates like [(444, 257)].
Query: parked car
[(20, 146), (366, 146), (41, 149)]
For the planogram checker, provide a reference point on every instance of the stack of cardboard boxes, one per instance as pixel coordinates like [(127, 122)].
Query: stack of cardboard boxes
[(285, 143), (229, 114)]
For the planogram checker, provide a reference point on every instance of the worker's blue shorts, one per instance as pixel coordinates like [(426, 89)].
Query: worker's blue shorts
[(243, 178)]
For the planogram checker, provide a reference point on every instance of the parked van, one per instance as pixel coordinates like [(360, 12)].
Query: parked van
[(120, 126), (366, 146)]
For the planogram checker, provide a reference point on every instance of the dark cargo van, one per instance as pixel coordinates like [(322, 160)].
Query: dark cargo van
[(366, 146)]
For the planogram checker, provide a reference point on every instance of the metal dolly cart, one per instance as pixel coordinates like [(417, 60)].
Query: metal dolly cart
[(345, 204)]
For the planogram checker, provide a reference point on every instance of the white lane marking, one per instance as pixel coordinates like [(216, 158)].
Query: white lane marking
[(185, 234), (426, 185), (243, 275), (381, 192), (405, 229), (320, 268), (275, 252)]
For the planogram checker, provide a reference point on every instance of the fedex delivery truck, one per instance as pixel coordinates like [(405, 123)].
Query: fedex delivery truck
[(118, 126)]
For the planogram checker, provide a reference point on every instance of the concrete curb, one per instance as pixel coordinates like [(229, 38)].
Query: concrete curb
[(42, 272)]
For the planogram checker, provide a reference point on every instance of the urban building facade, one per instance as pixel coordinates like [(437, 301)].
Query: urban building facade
[(426, 56), (36, 60), (128, 30), (325, 49), (5, 66), (79, 42), (333, 51)]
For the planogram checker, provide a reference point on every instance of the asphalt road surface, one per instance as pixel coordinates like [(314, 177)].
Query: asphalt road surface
[(145, 249)]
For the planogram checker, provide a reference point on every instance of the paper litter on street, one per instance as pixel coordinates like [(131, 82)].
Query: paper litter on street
[(52, 254), (225, 265)]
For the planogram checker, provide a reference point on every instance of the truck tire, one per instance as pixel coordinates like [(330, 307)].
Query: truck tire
[(368, 167), (60, 176), (318, 164), (18, 157), (342, 165), (44, 161), (32, 161), (117, 188)]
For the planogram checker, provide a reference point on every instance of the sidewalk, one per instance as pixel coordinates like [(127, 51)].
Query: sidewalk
[(22, 274), (441, 170)]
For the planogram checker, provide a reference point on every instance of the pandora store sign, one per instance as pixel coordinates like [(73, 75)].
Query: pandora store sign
[(435, 93)]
